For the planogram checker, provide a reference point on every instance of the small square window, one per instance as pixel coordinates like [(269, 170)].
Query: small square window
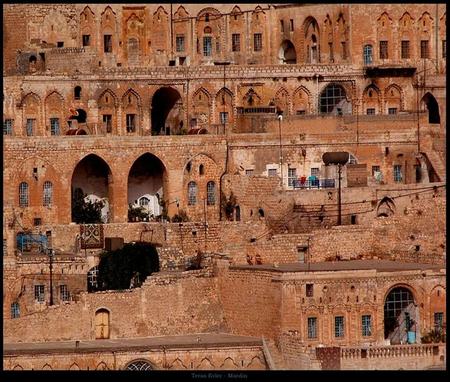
[(375, 170), (272, 172), (392, 111), (370, 111), (37, 221), (249, 172), (60, 44)]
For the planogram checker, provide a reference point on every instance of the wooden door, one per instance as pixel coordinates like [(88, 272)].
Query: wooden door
[(102, 324)]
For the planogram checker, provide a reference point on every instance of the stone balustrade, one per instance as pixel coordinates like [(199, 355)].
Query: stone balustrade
[(419, 350)]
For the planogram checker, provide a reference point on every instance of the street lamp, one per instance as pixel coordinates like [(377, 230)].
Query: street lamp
[(280, 118), (51, 254), (339, 159)]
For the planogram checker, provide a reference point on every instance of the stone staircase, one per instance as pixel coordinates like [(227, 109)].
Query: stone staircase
[(274, 358), (437, 160)]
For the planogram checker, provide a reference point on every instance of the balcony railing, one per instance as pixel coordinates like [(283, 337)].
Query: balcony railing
[(313, 183)]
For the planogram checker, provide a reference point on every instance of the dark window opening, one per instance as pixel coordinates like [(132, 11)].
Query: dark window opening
[(424, 49), (131, 123), (37, 221), (261, 212), (77, 92), (309, 290), (235, 42), (86, 40), (107, 43), (383, 50), (60, 44), (107, 122), (257, 42), (405, 49), (353, 219)]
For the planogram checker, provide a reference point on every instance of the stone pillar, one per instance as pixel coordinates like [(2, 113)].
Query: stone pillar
[(118, 191)]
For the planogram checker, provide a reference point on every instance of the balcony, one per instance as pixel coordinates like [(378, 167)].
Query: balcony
[(309, 184)]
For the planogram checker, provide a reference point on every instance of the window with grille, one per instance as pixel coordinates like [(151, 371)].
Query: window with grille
[(92, 278), (54, 126), (368, 54), (5, 247), (315, 171), (330, 97), (30, 127), (39, 294), (236, 42), (7, 126), (211, 193), (86, 40), (272, 172), (131, 123), (370, 111), (424, 49), (192, 193), (366, 325), (438, 321), (375, 169), (397, 173), (144, 201), (257, 42), (344, 50), (309, 290), (392, 110), (383, 50), (179, 40), (339, 326), (207, 46), (249, 172), (107, 43), (107, 122), (312, 327), (292, 176), (48, 193), (444, 49), (405, 49), (223, 117), (15, 310), (23, 194), (63, 293)]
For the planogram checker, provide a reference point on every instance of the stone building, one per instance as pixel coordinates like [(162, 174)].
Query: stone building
[(222, 115)]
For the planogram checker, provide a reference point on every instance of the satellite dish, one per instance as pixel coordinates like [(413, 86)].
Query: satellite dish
[(339, 157)]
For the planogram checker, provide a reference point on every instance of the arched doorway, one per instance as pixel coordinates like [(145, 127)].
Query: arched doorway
[(287, 53), (146, 186), (312, 38), (101, 324), (91, 183), (401, 316), (167, 113), (432, 107), (386, 207), (139, 365)]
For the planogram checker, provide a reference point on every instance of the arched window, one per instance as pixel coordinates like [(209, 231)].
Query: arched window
[(139, 365), (192, 193), (144, 202), (333, 100), (23, 194), (15, 310), (77, 92), (201, 169), (368, 54), (399, 314), (211, 193), (48, 193)]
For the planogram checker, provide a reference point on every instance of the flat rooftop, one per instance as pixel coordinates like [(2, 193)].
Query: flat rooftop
[(202, 340), (343, 265)]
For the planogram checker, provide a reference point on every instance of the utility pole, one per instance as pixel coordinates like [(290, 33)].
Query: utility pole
[(280, 118), (339, 195), (51, 253), (205, 223)]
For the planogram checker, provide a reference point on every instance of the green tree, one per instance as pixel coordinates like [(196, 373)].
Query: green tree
[(85, 212), (127, 267)]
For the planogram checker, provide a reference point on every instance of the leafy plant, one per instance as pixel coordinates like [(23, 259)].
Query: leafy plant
[(85, 212), (434, 336), (127, 267), (136, 213), (181, 216)]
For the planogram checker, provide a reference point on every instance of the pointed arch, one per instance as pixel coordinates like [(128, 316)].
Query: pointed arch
[(301, 101), (102, 366), (236, 11), (203, 92), (160, 11), (54, 93), (87, 11), (432, 106), (108, 92), (229, 364), (251, 98), (31, 96), (177, 364), (74, 366), (394, 97), (371, 100), (196, 157), (282, 100), (134, 94), (205, 364), (311, 47), (181, 12), (17, 367), (108, 9), (47, 367), (256, 363), (386, 207)]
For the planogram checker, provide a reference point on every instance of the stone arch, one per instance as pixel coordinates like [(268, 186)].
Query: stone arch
[(386, 207), (205, 364), (201, 101), (93, 176), (384, 33), (102, 366), (393, 98), (31, 107), (74, 366), (311, 46), (281, 100), (147, 177), (438, 304), (108, 103), (47, 367), (181, 12), (287, 53), (224, 101), (251, 98), (166, 111), (177, 364), (342, 36), (17, 367), (208, 11), (432, 106), (400, 301), (54, 109), (229, 364), (131, 111), (301, 101), (87, 21), (327, 39), (102, 323), (139, 365), (256, 364), (104, 101), (371, 99)]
